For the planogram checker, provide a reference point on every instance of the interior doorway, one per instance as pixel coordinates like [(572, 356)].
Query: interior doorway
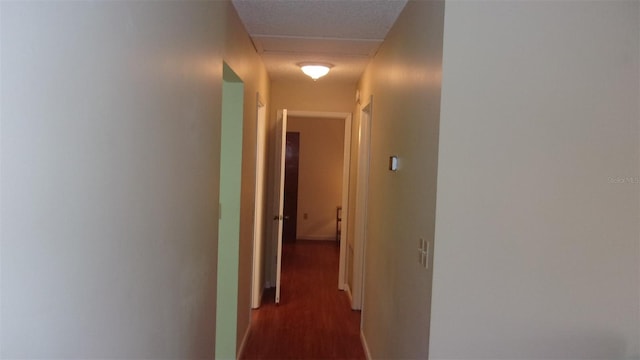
[(229, 214), (342, 183)]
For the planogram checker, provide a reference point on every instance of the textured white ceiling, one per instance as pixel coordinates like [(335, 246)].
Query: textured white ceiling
[(346, 33)]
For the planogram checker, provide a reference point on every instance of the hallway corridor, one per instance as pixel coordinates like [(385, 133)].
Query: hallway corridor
[(314, 319)]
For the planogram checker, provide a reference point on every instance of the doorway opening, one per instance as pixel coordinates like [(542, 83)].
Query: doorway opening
[(229, 213), (309, 265), (316, 218)]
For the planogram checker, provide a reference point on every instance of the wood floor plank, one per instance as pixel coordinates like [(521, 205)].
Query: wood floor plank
[(314, 319)]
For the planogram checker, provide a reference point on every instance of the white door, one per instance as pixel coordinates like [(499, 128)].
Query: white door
[(281, 138)]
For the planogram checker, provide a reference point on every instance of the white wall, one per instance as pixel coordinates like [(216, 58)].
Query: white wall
[(537, 249), (404, 79), (110, 145), (320, 175)]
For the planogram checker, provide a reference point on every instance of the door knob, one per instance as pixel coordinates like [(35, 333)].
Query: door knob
[(286, 217)]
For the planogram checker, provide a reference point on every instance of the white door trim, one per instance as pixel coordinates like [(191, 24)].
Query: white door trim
[(259, 214), (362, 189)]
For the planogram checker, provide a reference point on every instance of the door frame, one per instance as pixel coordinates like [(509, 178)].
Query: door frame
[(259, 212), (342, 279), (361, 201)]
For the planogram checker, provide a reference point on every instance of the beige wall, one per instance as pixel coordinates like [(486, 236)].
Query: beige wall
[(404, 79), (109, 178), (537, 241), (309, 95), (320, 175), (306, 95), (241, 57)]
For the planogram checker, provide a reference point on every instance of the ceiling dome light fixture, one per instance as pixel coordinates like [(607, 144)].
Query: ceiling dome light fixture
[(315, 70)]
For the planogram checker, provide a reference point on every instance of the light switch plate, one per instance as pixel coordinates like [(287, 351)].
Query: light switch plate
[(426, 255), (393, 163), (424, 248)]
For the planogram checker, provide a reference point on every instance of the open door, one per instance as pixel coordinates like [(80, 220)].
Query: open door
[(278, 203)]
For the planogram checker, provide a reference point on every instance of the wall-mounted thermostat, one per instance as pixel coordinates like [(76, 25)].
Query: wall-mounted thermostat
[(393, 163)]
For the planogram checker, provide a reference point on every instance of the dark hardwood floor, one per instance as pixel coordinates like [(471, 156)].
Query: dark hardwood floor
[(314, 319)]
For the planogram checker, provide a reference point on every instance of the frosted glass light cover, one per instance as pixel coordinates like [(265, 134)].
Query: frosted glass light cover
[(315, 71)]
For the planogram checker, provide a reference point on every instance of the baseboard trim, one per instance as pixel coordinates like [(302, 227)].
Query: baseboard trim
[(365, 346), (244, 342), (260, 298), (347, 290), (254, 306)]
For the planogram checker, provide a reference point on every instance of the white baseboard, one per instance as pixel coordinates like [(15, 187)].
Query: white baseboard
[(244, 342), (348, 291), (259, 300), (365, 346)]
